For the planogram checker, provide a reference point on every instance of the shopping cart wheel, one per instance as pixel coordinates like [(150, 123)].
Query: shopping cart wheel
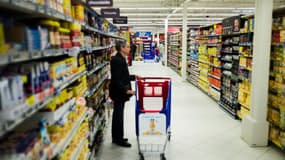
[(162, 156)]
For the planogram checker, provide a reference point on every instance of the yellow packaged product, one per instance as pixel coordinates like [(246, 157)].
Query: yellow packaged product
[(51, 105), (274, 133), (67, 7), (3, 46), (247, 101), (78, 12), (64, 96), (282, 117), (275, 116), (42, 2), (57, 100)]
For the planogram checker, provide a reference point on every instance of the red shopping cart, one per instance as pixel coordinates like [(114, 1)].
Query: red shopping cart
[(153, 112)]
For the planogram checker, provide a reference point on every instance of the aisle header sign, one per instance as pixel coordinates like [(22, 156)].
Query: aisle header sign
[(110, 12), (124, 28), (100, 3), (120, 20), (143, 34)]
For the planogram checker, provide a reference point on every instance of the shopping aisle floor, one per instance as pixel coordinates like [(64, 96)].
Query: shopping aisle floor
[(200, 129)]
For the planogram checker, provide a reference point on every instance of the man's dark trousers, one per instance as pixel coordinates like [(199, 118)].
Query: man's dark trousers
[(118, 121)]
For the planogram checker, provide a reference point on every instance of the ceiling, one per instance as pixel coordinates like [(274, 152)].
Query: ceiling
[(150, 15)]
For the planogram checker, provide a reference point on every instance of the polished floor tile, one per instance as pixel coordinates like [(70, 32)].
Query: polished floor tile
[(200, 129)]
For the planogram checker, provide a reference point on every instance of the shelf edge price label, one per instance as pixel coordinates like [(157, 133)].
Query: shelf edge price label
[(81, 101)]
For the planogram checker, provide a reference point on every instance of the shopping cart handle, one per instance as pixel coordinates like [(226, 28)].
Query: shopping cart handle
[(150, 111)]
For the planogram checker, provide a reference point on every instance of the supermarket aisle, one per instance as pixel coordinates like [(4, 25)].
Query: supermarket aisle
[(200, 129)]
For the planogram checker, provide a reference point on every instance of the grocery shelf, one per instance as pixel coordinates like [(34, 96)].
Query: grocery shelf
[(216, 77), (212, 44), (243, 90), (96, 87), (231, 35), (29, 111), (246, 44), (97, 68), (203, 62), (213, 86), (277, 143), (229, 52), (230, 44), (173, 63), (69, 81), (215, 66), (225, 108), (59, 148), (278, 44), (95, 130), (46, 12), (32, 108), (203, 80), (245, 68), (24, 56), (79, 148), (217, 55), (54, 116), (244, 105), (247, 56), (215, 35)]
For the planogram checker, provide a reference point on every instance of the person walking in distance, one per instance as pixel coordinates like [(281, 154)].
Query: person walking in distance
[(120, 91)]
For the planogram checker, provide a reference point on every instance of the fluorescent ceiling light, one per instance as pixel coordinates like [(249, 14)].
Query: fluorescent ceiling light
[(170, 19), (218, 8), (149, 8), (178, 14), (175, 22), (190, 8), (170, 24)]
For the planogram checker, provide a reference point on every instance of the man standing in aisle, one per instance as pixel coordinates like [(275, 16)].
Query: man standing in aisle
[(120, 91)]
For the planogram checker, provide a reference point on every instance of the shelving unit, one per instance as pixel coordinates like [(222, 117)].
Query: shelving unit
[(147, 50), (60, 62), (209, 60), (230, 65), (175, 52), (245, 65), (192, 57), (276, 110)]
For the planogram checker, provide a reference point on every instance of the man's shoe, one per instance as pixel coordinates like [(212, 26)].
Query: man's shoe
[(124, 140), (122, 144)]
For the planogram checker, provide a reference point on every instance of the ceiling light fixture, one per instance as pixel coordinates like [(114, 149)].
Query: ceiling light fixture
[(171, 18), (178, 14)]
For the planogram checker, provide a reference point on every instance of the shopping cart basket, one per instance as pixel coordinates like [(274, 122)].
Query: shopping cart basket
[(153, 106)]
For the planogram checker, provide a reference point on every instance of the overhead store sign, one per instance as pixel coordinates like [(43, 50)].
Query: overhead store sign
[(110, 12), (124, 28), (100, 3), (120, 20), (173, 29), (143, 34)]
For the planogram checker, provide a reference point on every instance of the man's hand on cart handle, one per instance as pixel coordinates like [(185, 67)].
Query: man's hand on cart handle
[(131, 92), (138, 77)]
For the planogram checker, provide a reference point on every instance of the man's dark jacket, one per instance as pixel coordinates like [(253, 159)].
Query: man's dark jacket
[(120, 79)]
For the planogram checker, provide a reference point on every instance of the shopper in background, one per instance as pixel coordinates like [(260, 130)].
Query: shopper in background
[(161, 50), (133, 49), (120, 91)]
